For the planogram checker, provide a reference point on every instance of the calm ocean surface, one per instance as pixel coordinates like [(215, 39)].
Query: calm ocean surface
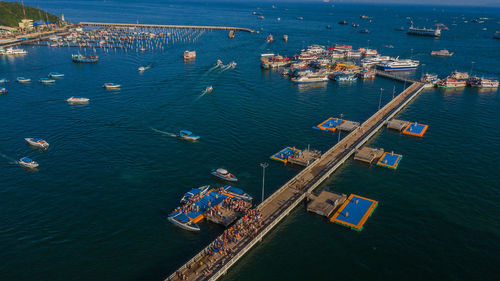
[(96, 209)]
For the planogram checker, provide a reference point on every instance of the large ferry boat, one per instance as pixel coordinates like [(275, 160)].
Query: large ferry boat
[(14, 52), (310, 79), (424, 31), (399, 65), (84, 59), (483, 82), (451, 83)]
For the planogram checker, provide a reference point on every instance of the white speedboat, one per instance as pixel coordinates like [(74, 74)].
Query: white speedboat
[(181, 220), (28, 163), (187, 135), (23, 80), (141, 68), (310, 79), (111, 86), (224, 175), (200, 191), (46, 80), (237, 193), (37, 142), (77, 100), (56, 75)]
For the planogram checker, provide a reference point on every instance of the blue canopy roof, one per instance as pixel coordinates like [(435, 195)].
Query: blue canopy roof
[(37, 139), (26, 159), (234, 190), (185, 132)]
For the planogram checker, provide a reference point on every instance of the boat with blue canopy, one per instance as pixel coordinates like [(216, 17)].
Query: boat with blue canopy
[(199, 191), (37, 142), (236, 192), (224, 175), (182, 220), (56, 75), (28, 163), (187, 135)]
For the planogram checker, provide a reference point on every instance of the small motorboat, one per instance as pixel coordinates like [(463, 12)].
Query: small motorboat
[(236, 192), (188, 55), (195, 191), (56, 75), (110, 86), (187, 135), (4, 80), (219, 63), (181, 220), (366, 31), (269, 38), (37, 142), (209, 89), (141, 68), (46, 80), (343, 22), (224, 174), (232, 64), (23, 80), (77, 100), (3, 91), (28, 163)]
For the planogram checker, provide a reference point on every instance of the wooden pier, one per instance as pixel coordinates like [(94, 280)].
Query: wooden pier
[(126, 25), (394, 76), (277, 206)]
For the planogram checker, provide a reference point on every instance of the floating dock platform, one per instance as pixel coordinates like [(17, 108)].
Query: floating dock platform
[(354, 212), (284, 154), (415, 129), (329, 125), (325, 203), (305, 158), (396, 124), (389, 160), (368, 154), (348, 126)]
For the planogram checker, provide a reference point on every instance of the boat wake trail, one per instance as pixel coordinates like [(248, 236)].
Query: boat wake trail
[(204, 92), (11, 160), (164, 133)]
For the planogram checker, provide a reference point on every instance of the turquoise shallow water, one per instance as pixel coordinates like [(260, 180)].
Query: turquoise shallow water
[(96, 208)]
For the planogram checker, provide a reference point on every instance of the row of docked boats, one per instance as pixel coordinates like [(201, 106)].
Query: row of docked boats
[(12, 52), (460, 80)]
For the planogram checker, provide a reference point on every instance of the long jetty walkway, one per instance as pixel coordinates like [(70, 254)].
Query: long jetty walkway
[(120, 25), (394, 76), (204, 266)]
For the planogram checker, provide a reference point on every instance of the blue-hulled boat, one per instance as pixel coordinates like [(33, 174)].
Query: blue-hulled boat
[(111, 86), (84, 59), (28, 163), (46, 80), (56, 75), (224, 175), (187, 135), (195, 191), (237, 193), (23, 80), (181, 220)]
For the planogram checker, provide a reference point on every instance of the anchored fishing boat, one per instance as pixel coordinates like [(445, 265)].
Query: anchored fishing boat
[(367, 74), (424, 31), (269, 38), (451, 83), (224, 174), (77, 100), (28, 163), (23, 80), (181, 220), (111, 86), (78, 58), (189, 55), (442, 53), (236, 192), (310, 79), (37, 142), (46, 80), (200, 191), (4, 80), (56, 75), (483, 82), (187, 135)]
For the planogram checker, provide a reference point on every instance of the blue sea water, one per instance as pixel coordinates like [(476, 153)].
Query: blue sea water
[(96, 208)]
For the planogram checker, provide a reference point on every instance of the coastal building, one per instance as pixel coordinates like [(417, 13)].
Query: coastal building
[(26, 24)]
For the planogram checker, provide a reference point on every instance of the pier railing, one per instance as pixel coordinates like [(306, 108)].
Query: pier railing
[(208, 27)]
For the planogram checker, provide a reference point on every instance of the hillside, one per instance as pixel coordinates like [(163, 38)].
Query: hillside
[(12, 13)]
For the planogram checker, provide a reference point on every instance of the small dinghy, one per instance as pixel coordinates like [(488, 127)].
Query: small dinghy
[(187, 135), (56, 75), (181, 220), (209, 89), (3, 91), (224, 175), (77, 100), (23, 80), (37, 142), (111, 86), (236, 192), (4, 80), (200, 191), (46, 80), (28, 163)]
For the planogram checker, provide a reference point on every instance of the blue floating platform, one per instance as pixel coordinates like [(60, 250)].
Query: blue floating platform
[(415, 129), (389, 160), (329, 125), (285, 153), (354, 212)]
